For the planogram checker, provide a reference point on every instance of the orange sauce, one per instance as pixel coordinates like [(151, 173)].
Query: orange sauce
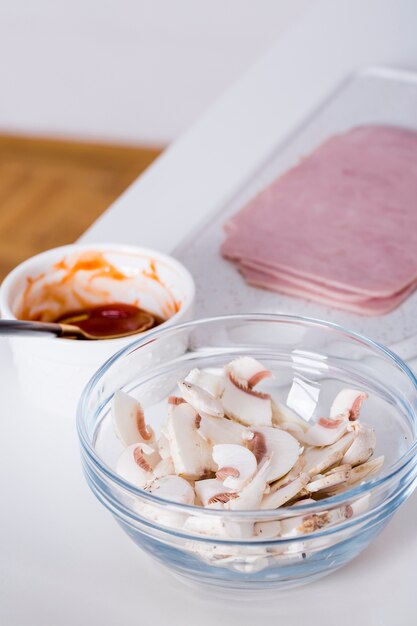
[(171, 307), (90, 262)]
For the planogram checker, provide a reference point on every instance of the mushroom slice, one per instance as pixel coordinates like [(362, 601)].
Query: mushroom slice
[(209, 382), (325, 431), (164, 467), (244, 404), (294, 526), (285, 493), (163, 516), (255, 441), (366, 469), (163, 447), (201, 400), (247, 371), (362, 447), (251, 495), (358, 474), (135, 465), (283, 449), (190, 454), (323, 482), (310, 522), (240, 400), (204, 525), (211, 491), (361, 505), (294, 430), (267, 530), (129, 420), (175, 400), (286, 418), (217, 430), (236, 464), (173, 488), (294, 473), (338, 468), (348, 401), (317, 460)]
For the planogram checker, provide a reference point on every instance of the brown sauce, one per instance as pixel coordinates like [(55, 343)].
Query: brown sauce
[(107, 320)]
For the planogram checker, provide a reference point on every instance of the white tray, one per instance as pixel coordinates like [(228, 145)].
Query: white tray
[(371, 96)]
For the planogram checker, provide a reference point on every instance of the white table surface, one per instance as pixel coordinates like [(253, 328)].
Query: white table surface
[(63, 560)]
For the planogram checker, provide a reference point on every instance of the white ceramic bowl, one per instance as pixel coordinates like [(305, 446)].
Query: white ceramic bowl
[(53, 371)]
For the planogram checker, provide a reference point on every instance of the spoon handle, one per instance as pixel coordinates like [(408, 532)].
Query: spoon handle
[(17, 327)]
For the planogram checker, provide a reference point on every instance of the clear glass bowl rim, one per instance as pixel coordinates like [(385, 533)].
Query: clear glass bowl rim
[(404, 463)]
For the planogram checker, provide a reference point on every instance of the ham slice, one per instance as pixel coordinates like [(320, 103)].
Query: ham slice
[(340, 227), (370, 306), (303, 283)]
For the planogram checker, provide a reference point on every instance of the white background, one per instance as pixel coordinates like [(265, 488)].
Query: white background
[(130, 70)]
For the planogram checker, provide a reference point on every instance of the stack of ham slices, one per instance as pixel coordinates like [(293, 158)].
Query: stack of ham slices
[(340, 228)]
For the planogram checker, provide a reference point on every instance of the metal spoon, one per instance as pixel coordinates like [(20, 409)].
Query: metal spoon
[(68, 331)]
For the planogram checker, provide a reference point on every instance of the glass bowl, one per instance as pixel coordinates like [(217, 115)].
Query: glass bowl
[(311, 361)]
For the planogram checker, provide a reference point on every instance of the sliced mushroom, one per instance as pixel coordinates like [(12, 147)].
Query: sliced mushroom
[(285, 493), (362, 447), (173, 488), (211, 383), (323, 482), (204, 525), (163, 516), (223, 425), (135, 465), (311, 522), (294, 473), (217, 430), (247, 371), (286, 418), (358, 474), (325, 431), (251, 495), (236, 465), (294, 526), (294, 430), (361, 505), (348, 401), (267, 530), (211, 491), (338, 468), (201, 400), (366, 470), (190, 454), (282, 448), (240, 400), (163, 446), (244, 404), (255, 441), (175, 400), (164, 467), (129, 420), (317, 460)]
